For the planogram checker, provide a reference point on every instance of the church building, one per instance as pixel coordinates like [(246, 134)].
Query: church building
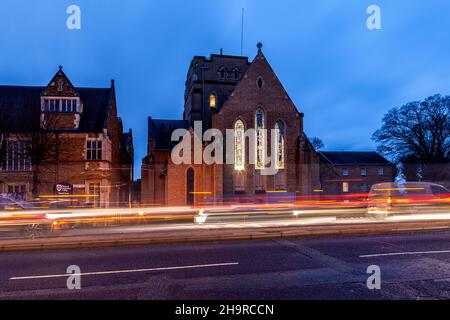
[(231, 93)]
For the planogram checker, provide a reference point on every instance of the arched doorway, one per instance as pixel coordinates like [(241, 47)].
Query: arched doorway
[(190, 186)]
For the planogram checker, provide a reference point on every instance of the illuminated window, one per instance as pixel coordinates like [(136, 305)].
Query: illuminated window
[(212, 101), (345, 172), (279, 138), (239, 146), (260, 139), (345, 187), (363, 171), (381, 171)]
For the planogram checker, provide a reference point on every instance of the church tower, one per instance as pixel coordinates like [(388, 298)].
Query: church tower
[(209, 83)]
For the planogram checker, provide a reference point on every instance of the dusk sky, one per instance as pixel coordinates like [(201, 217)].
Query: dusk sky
[(342, 75)]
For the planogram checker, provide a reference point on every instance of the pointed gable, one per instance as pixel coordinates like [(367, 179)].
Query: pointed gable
[(60, 86), (260, 85)]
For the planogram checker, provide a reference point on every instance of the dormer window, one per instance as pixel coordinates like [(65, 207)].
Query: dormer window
[(60, 105), (51, 105), (68, 105)]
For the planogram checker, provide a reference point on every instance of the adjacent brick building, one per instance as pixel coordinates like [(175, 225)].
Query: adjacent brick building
[(65, 145), (230, 93), (353, 172)]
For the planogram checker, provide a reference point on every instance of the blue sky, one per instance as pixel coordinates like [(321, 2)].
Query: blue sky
[(343, 76)]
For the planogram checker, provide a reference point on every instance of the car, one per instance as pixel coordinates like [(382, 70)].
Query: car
[(400, 198), (18, 217)]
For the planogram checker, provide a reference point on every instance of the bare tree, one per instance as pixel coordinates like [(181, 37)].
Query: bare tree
[(41, 146), (317, 143), (418, 132), (4, 136)]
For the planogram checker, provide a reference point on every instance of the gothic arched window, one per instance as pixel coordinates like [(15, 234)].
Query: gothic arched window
[(279, 147), (239, 146), (260, 139)]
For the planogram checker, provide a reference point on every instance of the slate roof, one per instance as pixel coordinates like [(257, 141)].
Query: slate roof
[(161, 131), (355, 158), (20, 107)]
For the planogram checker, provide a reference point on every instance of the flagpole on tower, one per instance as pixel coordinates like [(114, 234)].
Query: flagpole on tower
[(242, 34)]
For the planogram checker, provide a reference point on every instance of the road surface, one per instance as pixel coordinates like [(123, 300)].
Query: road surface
[(413, 266)]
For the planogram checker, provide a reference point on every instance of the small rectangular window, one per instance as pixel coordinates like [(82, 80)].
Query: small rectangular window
[(16, 158), (345, 172), (364, 187), (363, 171), (212, 101), (345, 187), (93, 150), (381, 171)]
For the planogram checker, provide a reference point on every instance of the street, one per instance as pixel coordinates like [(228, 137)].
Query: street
[(413, 266)]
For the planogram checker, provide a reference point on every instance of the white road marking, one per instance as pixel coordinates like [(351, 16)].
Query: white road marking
[(127, 271), (403, 253)]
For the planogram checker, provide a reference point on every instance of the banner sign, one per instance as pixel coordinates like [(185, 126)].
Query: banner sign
[(63, 189)]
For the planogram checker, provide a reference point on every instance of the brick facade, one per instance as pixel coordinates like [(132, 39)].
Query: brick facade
[(241, 88), (62, 131), (353, 172)]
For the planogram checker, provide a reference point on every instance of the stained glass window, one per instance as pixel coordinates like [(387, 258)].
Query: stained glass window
[(279, 138), (260, 139), (239, 146)]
